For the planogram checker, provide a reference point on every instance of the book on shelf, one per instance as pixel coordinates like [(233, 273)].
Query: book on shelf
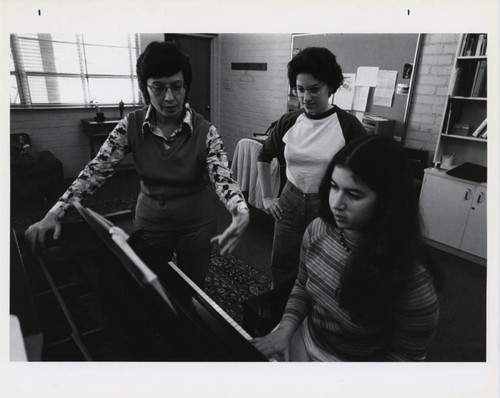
[(484, 45), (484, 135), (473, 45), (480, 129), (460, 129), (465, 79), (470, 45), (479, 83), (479, 46), (448, 118), (455, 80)]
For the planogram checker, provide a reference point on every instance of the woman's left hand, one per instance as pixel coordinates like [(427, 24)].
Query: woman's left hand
[(231, 236)]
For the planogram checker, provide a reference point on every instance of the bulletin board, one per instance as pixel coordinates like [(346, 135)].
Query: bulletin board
[(386, 51)]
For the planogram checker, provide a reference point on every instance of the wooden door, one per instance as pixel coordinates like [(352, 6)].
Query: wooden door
[(475, 236), (198, 48)]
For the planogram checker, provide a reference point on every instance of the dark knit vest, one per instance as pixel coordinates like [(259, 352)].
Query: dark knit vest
[(178, 171)]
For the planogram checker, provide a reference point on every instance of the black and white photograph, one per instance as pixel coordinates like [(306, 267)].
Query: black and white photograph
[(200, 206)]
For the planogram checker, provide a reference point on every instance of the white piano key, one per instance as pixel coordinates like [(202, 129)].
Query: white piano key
[(214, 305)]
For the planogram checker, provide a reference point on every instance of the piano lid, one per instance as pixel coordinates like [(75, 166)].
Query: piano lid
[(116, 308)]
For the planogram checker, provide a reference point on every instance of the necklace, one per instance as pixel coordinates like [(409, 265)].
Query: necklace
[(343, 241)]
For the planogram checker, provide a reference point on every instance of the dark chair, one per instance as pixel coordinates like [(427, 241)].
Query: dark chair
[(417, 159), (32, 173)]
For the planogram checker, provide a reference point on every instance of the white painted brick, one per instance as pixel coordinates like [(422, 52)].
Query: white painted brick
[(418, 107), (444, 70), (437, 60), (434, 80), (442, 91), (423, 118), (422, 89), (433, 49), (444, 38), (429, 99)]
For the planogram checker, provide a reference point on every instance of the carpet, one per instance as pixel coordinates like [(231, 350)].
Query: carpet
[(230, 282)]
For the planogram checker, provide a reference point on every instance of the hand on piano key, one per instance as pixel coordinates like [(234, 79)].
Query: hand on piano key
[(277, 343)]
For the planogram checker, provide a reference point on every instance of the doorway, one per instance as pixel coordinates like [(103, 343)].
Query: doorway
[(198, 48)]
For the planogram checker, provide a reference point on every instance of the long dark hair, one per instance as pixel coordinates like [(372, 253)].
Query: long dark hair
[(378, 270), (161, 59)]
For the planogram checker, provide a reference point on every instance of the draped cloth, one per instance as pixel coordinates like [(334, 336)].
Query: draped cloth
[(244, 168)]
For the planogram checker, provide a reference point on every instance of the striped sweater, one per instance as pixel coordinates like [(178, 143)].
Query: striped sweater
[(322, 262)]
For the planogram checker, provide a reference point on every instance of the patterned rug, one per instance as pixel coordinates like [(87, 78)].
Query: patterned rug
[(230, 281)]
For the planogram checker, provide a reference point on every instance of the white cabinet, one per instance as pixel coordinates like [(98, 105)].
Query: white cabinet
[(475, 237), (454, 212)]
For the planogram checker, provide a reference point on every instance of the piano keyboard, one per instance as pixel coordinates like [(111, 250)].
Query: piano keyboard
[(214, 305)]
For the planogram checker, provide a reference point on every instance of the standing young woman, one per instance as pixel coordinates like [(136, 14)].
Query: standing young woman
[(363, 291), (306, 140)]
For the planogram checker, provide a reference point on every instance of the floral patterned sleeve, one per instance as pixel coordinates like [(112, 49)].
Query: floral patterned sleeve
[(98, 170), (220, 174)]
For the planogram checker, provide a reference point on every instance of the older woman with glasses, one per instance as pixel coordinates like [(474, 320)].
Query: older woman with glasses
[(174, 148), (305, 140)]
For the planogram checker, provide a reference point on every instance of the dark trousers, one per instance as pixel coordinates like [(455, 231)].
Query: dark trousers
[(299, 210), (191, 245), (183, 225)]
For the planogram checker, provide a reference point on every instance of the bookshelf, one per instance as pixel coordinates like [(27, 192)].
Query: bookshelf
[(464, 125), (453, 208)]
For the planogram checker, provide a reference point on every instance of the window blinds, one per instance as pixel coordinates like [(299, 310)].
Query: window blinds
[(74, 69)]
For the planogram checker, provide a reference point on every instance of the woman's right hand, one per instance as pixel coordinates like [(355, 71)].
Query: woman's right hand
[(275, 344), (272, 207), (36, 233)]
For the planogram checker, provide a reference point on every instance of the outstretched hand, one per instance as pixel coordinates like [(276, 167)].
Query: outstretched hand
[(232, 235), (36, 233)]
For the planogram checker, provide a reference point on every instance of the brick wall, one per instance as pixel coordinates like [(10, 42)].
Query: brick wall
[(250, 102), (431, 88)]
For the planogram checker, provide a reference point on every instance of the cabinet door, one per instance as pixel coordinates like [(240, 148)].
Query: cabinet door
[(444, 205), (475, 236)]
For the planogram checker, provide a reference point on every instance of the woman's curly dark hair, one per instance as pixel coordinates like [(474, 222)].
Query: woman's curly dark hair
[(161, 59), (319, 62), (377, 273)]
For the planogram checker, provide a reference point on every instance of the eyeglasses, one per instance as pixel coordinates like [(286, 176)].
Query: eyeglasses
[(315, 90), (161, 89)]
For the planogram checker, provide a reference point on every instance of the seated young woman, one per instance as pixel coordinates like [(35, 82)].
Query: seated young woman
[(363, 291)]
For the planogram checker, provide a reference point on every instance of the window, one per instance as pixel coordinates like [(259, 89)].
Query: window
[(77, 69)]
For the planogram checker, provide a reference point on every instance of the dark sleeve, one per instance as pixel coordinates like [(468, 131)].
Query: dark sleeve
[(351, 126), (274, 147)]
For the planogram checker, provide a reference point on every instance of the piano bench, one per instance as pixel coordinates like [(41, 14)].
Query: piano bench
[(262, 313)]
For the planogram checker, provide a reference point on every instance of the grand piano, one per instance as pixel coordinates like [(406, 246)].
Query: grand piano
[(92, 298)]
